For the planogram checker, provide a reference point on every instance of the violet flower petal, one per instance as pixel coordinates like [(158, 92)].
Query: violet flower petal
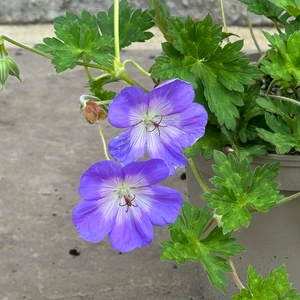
[(127, 107), (146, 173), (192, 121), (171, 97), (132, 229), (161, 204), (170, 151), (94, 219), (129, 145), (95, 181)]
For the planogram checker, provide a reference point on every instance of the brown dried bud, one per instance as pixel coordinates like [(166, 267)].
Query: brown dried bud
[(92, 112)]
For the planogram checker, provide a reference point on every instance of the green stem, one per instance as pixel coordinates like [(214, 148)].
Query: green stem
[(116, 30), (281, 98), (209, 224), (103, 141), (137, 66), (271, 85), (85, 98), (26, 47), (95, 66), (30, 49), (277, 27), (198, 176), (252, 34), (102, 76), (234, 274), (86, 69), (284, 200), (224, 19), (131, 81), (287, 199)]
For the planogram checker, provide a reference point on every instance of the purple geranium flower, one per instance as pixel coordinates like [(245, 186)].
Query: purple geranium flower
[(125, 203), (164, 122)]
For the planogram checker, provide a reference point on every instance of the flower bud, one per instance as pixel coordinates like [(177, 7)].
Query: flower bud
[(13, 67), (92, 112), (4, 72)]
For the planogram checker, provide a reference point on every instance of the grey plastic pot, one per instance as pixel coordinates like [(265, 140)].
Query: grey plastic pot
[(273, 238)]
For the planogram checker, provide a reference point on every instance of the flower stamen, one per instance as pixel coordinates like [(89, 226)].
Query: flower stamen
[(157, 125), (128, 203)]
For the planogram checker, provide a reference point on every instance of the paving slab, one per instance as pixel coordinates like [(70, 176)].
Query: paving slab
[(45, 147)]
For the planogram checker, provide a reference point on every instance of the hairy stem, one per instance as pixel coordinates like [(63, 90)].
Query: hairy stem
[(198, 176), (84, 98), (26, 47), (209, 224), (234, 274), (125, 77), (86, 69), (137, 66), (287, 199), (252, 34), (271, 85), (116, 30), (103, 141), (281, 98), (277, 27), (223, 18)]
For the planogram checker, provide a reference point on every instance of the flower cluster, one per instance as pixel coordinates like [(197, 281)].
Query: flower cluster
[(124, 202)]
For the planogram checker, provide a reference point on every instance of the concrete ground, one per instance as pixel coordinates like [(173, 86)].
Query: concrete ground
[(45, 147)]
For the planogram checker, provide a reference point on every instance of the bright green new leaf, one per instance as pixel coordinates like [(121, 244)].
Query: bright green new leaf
[(284, 125), (275, 287), (282, 137), (196, 54), (133, 24), (284, 58), (239, 189), (77, 38), (187, 243)]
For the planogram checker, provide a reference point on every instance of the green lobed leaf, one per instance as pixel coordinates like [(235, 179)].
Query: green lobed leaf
[(133, 24), (174, 65), (186, 243), (239, 189), (196, 54), (283, 123), (275, 287), (77, 38), (283, 60)]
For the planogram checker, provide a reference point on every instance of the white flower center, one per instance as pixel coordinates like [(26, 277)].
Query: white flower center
[(126, 197), (153, 121), (123, 190)]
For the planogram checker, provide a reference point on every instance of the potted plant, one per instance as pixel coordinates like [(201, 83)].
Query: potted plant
[(207, 98)]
